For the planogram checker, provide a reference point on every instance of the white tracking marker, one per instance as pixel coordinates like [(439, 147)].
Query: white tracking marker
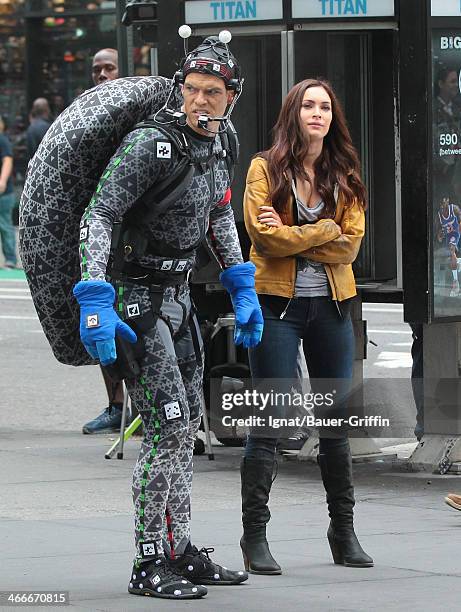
[(184, 31), (225, 36)]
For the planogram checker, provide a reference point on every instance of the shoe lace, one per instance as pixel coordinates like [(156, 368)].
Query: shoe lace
[(110, 409), (204, 555), (167, 572), (204, 552)]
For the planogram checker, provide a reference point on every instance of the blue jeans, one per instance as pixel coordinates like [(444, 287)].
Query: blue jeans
[(7, 232), (328, 343)]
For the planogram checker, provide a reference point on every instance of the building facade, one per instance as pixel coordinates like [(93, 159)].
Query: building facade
[(46, 47), (385, 58)]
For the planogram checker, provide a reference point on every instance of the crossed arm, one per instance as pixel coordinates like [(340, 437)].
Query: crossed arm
[(324, 241)]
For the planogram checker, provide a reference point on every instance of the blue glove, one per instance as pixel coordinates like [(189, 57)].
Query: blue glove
[(239, 281), (99, 323)]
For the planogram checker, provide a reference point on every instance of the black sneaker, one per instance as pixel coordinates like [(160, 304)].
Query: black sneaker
[(155, 578), (196, 566), (107, 422)]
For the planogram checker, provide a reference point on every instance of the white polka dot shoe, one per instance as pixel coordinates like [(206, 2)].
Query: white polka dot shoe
[(156, 578), (196, 566)]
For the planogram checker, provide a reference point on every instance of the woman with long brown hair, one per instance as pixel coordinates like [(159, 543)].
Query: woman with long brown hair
[(304, 212)]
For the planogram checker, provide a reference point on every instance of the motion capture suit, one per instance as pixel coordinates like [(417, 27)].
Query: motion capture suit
[(152, 296)]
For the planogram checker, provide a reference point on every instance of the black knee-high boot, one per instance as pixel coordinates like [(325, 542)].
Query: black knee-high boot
[(335, 463), (256, 477)]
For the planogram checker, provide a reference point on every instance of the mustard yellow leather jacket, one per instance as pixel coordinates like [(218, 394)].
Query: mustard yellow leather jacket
[(274, 249)]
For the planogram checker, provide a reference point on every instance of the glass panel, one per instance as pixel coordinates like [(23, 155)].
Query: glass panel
[(446, 169), (256, 111), (337, 57), (60, 52), (13, 106), (341, 59)]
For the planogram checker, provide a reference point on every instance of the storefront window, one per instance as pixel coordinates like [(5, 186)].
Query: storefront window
[(47, 55), (60, 6), (13, 107), (61, 50)]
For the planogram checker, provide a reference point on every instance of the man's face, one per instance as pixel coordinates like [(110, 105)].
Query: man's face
[(105, 67), (449, 88), (205, 95)]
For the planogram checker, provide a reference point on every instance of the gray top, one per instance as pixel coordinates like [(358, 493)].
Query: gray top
[(311, 278)]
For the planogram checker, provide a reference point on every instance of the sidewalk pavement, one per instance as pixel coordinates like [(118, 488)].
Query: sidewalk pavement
[(66, 520), (66, 524)]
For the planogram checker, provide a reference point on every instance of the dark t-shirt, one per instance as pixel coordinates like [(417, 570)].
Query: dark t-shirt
[(6, 151), (35, 133)]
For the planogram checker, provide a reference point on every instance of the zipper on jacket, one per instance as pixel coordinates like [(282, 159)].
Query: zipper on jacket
[(286, 308)]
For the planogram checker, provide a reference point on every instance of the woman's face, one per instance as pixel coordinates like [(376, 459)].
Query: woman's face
[(316, 113)]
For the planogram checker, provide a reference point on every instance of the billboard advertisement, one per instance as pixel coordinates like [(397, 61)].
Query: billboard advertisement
[(446, 166)]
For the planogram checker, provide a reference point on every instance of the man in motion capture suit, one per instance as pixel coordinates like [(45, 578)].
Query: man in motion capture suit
[(165, 189)]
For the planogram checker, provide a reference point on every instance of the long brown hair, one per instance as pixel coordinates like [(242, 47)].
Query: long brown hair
[(338, 162)]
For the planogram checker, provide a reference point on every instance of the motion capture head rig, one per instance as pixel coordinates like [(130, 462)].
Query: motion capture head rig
[(212, 57)]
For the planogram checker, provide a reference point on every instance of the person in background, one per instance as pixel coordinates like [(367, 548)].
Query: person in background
[(105, 68), (447, 120), (7, 200), (58, 104), (39, 117)]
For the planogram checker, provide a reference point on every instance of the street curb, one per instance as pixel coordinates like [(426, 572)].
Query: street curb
[(11, 274)]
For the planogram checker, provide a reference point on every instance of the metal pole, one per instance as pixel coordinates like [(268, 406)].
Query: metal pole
[(129, 431), (123, 423), (154, 61), (122, 40), (206, 427)]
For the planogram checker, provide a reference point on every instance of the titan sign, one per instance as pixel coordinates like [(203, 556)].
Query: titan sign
[(339, 9), (236, 11)]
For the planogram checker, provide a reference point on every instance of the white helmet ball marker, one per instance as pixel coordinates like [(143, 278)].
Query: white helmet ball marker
[(184, 31), (225, 36)]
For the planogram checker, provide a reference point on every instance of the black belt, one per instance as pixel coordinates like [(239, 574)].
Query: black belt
[(148, 277)]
